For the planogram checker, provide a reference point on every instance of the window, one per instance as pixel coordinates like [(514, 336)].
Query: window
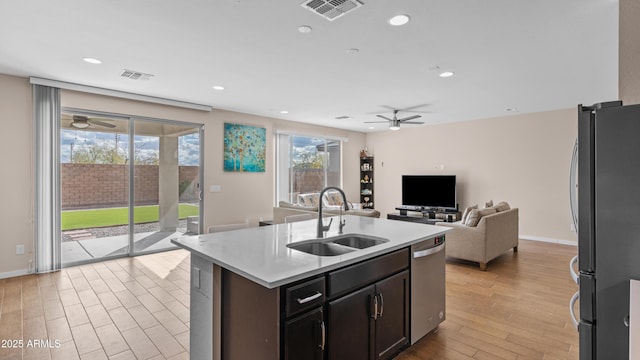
[(306, 164)]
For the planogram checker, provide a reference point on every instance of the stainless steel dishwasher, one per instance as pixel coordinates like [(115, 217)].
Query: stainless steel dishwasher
[(427, 286)]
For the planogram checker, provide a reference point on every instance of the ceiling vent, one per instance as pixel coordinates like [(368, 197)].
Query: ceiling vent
[(331, 9), (135, 75)]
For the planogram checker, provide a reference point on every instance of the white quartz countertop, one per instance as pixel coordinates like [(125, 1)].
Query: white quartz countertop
[(261, 253)]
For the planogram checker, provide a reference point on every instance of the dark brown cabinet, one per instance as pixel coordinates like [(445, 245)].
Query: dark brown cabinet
[(357, 312), (372, 322), (392, 322), (305, 336), (350, 326)]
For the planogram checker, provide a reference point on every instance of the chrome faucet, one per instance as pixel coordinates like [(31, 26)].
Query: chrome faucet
[(321, 227)]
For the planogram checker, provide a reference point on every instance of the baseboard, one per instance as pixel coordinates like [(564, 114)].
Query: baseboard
[(549, 240), (10, 274)]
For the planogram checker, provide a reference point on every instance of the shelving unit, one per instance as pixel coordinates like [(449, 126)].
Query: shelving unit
[(366, 182)]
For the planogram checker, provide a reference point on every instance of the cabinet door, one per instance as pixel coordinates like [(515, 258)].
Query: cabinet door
[(350, 326), (304, 336), (392, 323)]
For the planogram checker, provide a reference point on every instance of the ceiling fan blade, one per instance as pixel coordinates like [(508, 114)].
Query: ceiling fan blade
[(101, 123), (384, 117), (372, 122), (412, 122), (411, 108), (410, 118)]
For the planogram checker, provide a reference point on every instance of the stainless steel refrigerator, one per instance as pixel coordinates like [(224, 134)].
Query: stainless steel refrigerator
[(608, 225)]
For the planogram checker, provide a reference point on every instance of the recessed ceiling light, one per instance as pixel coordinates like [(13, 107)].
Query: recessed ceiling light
[(343, 117), (218, 87), (284, 112), (304, 29), (372, 127), (446, 74), (91, 60), (399, 20), (353, 51), (512, 109)]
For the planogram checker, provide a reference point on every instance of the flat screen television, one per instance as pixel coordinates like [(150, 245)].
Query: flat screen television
[(429, 191)]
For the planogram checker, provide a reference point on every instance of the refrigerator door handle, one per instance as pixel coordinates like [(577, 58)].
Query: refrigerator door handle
[(573, 273), (572, 304)]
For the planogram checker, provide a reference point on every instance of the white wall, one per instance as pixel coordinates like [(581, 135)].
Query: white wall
[(16, 186), (521, 159)]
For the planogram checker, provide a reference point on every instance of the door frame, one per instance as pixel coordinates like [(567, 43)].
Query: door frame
[(131, 204)]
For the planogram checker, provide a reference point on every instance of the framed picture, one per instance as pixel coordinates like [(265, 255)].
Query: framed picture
[(244, 148)]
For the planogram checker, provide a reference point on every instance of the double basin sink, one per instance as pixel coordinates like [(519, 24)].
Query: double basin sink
[(337, 245)]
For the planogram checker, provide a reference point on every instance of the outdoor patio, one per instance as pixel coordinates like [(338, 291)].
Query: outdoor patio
[(87, 244)]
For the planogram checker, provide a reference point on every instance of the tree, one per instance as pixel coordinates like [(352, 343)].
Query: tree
[(309, 160), (98, 154)]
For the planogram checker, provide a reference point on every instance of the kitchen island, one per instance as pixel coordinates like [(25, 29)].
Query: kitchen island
[(253, 296)]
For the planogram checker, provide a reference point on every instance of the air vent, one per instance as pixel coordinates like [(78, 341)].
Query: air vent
[(135, 75), (331, 9)]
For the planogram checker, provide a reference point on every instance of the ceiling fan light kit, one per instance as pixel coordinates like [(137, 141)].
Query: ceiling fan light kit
[(394, 124), (83, 122), (80, 124)]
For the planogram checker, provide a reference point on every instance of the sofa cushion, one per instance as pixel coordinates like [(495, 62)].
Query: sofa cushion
[(466, 212), (332, 198), (476, 214), (501, 206), (310, 199), (288, 205)]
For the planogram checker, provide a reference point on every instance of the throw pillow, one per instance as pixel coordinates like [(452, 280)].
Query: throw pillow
[(466, 212), (476, 214), (488, 204), (501, 206), (308, 199)]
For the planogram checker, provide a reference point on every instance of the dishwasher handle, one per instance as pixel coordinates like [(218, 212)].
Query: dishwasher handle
[(427, 252)]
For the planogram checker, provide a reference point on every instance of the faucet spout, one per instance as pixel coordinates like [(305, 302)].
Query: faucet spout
[(321, 227)]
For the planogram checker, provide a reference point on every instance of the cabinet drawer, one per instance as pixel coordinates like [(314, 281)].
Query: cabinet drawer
[(304, 296), (366, 272)]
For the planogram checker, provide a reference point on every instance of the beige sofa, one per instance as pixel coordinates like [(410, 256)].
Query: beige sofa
[(285, 209), (494, 235)]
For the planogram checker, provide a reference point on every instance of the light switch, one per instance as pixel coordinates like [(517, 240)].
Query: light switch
[(196, 278), (215, 188)]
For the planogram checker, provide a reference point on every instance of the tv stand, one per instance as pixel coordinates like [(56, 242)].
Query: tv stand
[(414, 218), (435, 214)]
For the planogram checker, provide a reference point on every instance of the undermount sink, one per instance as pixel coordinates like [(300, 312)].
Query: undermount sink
[(357, 241), (321, 248), (337, 245)]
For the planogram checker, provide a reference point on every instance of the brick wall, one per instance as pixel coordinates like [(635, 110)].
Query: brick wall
[(102, 185)]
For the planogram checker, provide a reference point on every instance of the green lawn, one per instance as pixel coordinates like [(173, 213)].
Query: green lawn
[(82, 219)]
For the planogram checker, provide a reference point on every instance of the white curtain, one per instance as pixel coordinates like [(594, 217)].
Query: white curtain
[(46, 114)]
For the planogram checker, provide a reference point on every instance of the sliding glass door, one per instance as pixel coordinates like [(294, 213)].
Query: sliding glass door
[(166, 183), (127, 185)]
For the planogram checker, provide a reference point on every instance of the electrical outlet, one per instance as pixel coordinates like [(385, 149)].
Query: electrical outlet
[(19, 249)]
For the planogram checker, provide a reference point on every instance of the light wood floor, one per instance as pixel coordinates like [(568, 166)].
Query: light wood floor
[(137, 308), (518, 309)]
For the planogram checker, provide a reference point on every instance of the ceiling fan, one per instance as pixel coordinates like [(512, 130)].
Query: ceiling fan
[(394, 124), (83, 122)]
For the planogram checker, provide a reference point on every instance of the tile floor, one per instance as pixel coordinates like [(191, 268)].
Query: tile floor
[(130, 308)]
